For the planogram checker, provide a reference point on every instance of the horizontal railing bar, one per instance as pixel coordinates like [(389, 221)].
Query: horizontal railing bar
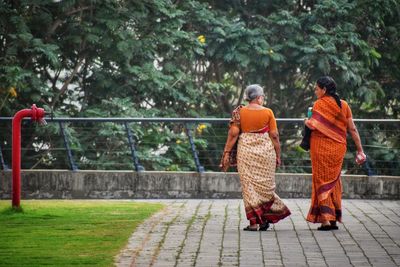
[(186, 120)]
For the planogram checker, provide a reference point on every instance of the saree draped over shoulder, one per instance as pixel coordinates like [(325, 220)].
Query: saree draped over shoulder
[(328, 147), (256, 163)]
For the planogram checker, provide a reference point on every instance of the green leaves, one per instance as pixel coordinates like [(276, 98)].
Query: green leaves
[(146, 58), (319, 29), (375, 53), (323, 65)]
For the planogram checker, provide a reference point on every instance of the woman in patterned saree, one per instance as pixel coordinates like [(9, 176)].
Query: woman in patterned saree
[(330, 120), (258, 155)]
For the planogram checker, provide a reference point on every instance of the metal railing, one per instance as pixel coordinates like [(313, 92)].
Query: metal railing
[(176, 144)]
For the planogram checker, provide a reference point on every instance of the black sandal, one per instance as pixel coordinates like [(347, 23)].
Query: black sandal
[(264, 226), (324, 228), (333, 225), (248, 228)]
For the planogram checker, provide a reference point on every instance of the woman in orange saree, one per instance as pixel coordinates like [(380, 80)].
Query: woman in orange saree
[(258, 155), (330, 120)]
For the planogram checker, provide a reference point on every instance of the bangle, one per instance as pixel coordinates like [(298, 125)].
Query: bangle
[(225, 152)]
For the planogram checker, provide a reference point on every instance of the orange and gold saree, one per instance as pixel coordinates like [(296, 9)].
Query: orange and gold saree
[(256, 164), (328, 147)]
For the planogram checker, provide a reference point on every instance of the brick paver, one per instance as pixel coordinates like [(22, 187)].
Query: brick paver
[(209, 233)]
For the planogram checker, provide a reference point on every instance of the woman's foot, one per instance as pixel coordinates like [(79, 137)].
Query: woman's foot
[(333, 225), (264, 226), (253, 227), (325, 226)]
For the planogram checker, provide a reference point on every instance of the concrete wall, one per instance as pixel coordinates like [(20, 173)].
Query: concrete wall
[(128, 184)]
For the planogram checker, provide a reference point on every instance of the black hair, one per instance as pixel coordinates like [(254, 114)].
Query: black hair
[(329, 84)]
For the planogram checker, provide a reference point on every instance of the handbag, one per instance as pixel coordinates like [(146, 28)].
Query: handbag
[(305, 143)]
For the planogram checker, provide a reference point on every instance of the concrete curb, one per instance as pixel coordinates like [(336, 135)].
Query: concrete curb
[(65, 184)]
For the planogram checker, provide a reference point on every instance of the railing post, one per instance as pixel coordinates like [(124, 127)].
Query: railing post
[(194, 151), (3, 164), (69, 152), (136, 164)]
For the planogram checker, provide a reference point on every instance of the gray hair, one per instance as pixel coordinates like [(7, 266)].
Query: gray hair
[(253, 91)]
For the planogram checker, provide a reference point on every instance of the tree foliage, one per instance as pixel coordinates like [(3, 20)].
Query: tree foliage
[(194, 58)]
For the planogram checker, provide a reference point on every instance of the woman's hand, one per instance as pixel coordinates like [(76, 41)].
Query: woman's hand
[(278, 162), (233, 135), (224, 165), (360, 157)]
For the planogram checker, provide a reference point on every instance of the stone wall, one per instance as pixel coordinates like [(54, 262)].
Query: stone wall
[(59, 184)]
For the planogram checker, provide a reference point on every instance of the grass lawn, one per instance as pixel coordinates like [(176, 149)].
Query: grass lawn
[(68, 232)]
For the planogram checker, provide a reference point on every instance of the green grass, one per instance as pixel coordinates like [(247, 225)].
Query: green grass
[(68, 232)]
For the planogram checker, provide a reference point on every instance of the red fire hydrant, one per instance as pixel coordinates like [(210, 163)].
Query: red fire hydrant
[(37, 114)]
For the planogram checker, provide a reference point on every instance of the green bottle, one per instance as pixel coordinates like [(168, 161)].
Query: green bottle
[(309, 112)]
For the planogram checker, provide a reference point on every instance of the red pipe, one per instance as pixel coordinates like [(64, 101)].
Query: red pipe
[(36, 114)]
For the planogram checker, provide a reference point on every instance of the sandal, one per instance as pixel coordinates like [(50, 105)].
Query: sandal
[(248, 228), (325, 228), (264, 226), (333, 225)]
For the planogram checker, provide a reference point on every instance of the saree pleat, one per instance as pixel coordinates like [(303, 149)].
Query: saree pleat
[(256, 166)]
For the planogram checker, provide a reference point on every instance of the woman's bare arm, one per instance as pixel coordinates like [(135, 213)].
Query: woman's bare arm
[(233, 135), (360, 157), (354, 134)]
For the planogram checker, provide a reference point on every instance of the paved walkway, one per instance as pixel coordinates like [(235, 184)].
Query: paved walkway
[(208, 233)]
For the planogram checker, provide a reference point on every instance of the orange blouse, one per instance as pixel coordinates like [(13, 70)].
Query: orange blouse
[(252, 120)]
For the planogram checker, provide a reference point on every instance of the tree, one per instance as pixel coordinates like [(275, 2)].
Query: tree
[(192, 59)]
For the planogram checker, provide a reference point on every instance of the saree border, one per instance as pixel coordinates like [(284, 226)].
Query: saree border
[(327, 128), (324, 190), (316, 115), (262, 213)]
